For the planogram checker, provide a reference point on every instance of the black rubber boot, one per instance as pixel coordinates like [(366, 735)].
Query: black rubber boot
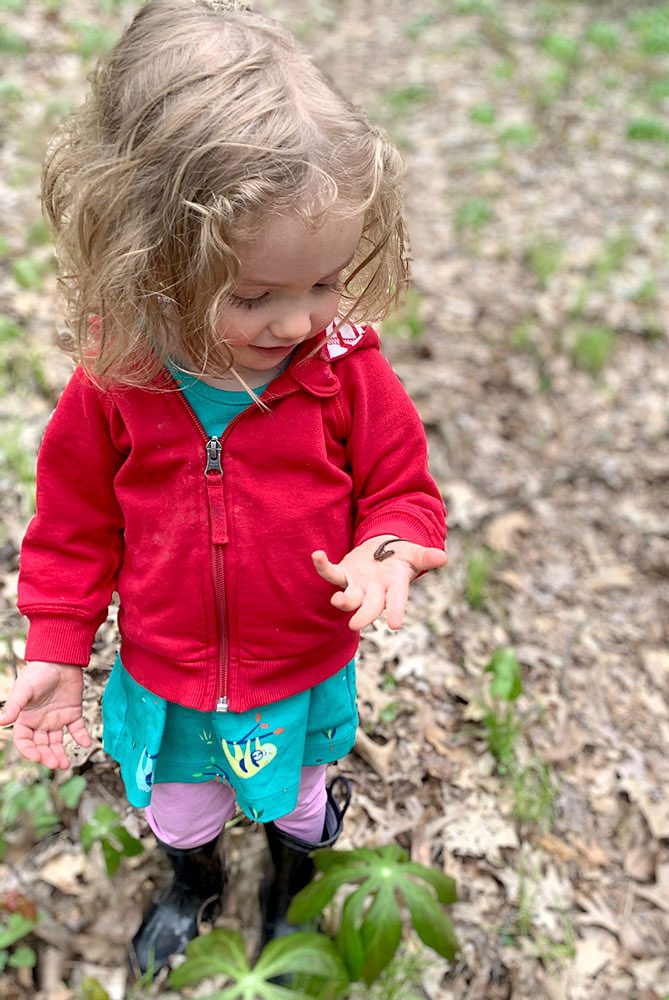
[(194, 895), (293, 868)]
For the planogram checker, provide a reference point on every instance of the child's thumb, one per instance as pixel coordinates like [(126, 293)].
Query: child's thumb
[(17, 701), (9, 713)]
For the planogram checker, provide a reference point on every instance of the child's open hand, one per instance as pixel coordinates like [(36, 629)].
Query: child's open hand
[(369, 586), (46, 697)]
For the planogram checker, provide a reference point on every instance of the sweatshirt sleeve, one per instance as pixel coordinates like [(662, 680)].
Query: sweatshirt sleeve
[(387, 451), (72, 548)]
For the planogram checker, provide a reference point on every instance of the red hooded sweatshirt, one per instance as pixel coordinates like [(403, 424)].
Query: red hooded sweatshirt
[(208, 543)]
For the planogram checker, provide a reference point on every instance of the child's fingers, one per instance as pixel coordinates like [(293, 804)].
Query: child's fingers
[(424, 559), (79, 733), (17, 701), (329, 571), (373, 603), (397, 596), (349, 599)]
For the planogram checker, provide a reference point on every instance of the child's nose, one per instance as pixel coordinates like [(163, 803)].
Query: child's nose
[(293, 325)]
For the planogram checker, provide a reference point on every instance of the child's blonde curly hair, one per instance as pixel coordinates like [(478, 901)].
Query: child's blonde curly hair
[(203, 121)]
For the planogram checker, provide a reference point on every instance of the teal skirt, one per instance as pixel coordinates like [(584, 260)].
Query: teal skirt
[(259, 754)]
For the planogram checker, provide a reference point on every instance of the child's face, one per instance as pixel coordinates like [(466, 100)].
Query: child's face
[(288, 290)]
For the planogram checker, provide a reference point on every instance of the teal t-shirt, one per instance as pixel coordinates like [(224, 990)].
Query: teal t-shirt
[(259, 753)]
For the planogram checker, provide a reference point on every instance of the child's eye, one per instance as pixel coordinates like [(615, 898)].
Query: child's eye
[(330, 286), (249, 303)]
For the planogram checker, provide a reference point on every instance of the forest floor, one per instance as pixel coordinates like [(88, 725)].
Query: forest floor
[(535, 343)]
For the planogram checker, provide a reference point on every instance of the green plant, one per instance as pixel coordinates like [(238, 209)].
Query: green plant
[(37, 801), (402, 100), (535, 793), (91, 989), (364, 946), (90, 38), (223, 953), (561, 47), (483, 114), (474, 213), (647, 130), (522, 135), (18, 917), (544, 257), (592, 349), (9, 328), (407, 318), (652, 28), (29, 272), (603, 34), (479, 567), (657, 91), (370, 923), (106, 829), (501, 723), (11, 43)]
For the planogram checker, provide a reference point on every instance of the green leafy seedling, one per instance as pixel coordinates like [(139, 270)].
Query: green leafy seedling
[(479, 567), (12, 930), (561, 47), (502, 726), (544, 257), (474, 214), (370, 929), (522, 135), (11, 43), (223, 953), (91, 989), (652, 28), (32, 801), (593, 348), (483, 114), (647, 130), (106, 829), (535, 793), (407, 318), (603, 34)]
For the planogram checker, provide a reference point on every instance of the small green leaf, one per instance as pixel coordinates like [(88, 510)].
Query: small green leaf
[(220, 953), (507, 680), (444, 885), (647, 130), (303, 952), (23, 958), (111, 855), (430, 922), (28, 272), (381, 933), (349, 941), (92, 990), (312, 900), (70, 791), (131, 845), (17, 927)]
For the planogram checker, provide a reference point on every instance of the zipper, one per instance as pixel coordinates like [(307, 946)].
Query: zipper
[(213, 473)]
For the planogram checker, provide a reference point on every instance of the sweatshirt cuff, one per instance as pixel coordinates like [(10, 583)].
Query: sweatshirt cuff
[(60, 640), (401, 525)]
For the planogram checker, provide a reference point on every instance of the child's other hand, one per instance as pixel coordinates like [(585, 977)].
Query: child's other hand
[(46, 697), (368, 587)]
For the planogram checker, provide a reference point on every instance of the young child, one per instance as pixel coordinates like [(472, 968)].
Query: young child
[(232, 454)]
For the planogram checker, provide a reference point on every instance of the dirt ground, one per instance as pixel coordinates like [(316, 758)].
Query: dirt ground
[(535, 345)]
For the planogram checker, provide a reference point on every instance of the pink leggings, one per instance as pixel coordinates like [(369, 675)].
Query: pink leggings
[(186, 816)]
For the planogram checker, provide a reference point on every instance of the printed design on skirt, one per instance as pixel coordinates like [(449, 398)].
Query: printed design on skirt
[(145, 769), (246, 756)]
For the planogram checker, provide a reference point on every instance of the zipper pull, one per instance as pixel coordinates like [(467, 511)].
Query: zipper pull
[(222, 704), (213, 449)]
